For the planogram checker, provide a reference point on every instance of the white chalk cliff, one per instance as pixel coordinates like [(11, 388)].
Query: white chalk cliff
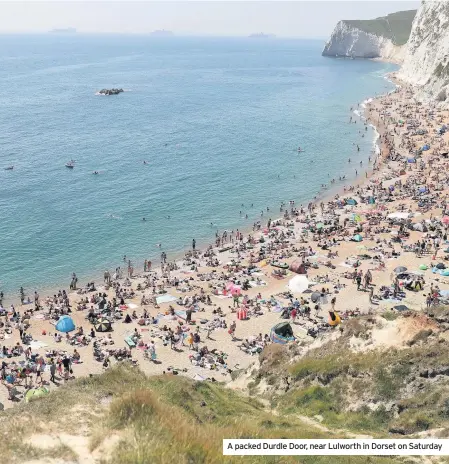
[(349, 41), (426, 60), (384, 37)]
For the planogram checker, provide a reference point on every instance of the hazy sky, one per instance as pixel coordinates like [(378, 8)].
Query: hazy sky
[(291, 19)]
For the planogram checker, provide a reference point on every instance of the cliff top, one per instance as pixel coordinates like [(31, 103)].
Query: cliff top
[(395, 26)]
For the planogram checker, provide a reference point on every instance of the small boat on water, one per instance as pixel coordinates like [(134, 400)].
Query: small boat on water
[(9, 168), (70, 164)]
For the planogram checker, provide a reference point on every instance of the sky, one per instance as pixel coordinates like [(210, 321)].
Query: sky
[(308, 19)]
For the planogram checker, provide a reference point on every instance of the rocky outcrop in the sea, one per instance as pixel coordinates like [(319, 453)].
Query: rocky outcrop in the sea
[(110, 91), (426, 60), (381, 37)]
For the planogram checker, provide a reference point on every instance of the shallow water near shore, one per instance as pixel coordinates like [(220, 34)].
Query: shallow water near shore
[(218, 121)]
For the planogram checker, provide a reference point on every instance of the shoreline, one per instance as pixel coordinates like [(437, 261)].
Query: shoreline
[(177, 256)]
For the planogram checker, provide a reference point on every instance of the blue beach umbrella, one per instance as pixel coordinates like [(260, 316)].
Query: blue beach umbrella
[(65, 324)]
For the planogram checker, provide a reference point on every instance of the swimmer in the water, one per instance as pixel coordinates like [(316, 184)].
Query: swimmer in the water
[(143, 219)]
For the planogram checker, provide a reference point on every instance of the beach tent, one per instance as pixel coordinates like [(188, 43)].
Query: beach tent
[(423, 267), (65, 324), (298, 284), (298, 267), (419, 227), (35, 393), (411, 160), (400, 269), (103, 325), (315, 296), (351, 201), (282, 333), (426, 147), (357, 238)]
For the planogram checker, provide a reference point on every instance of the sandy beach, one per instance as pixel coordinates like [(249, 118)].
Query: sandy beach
[(338, 256)]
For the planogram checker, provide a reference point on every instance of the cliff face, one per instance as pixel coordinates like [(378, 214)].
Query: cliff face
[(381, 37), (426, 61)]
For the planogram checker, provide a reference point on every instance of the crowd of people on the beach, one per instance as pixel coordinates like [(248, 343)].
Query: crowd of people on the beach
[(366, 249)]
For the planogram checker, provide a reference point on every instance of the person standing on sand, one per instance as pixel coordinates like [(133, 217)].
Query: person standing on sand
[(152, 351), (193, 244), (231, 330), (52, 371)]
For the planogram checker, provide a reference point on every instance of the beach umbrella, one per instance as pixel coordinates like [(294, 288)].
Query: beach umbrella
[(419, 227), (351, 201), (357, 238), (440, 266), (35, 393), (235, 292), (315, 296), (320, 225), (445, 220), (400, 269), (411, 160), (103, 325), (298, 284), (423, 267), (65, 324)]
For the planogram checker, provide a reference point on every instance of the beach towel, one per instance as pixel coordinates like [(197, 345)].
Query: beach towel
[(129, 341), (167, 298)]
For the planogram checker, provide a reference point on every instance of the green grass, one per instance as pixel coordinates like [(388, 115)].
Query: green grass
[(162, 419), (395, 26)]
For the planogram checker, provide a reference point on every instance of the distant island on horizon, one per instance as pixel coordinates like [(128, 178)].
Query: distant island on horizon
[(67, 30), (162, 33), (261, 35)]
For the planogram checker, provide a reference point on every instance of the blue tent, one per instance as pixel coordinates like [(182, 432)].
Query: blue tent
[(411, 160), (65, 324), (351, 201), (426, 147)]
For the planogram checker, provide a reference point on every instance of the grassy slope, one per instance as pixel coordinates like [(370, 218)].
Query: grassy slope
[(396, 391), (395, 26), (157, 420)]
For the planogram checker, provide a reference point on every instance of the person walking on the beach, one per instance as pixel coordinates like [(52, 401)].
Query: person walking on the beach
[(231, 330), (359, 281), (52, 371), (22, 295), (193, 244)]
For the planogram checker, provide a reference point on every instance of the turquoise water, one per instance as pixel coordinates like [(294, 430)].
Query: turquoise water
[(217, 120)]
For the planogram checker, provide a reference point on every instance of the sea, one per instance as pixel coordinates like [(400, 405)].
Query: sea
[(206, 133)]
